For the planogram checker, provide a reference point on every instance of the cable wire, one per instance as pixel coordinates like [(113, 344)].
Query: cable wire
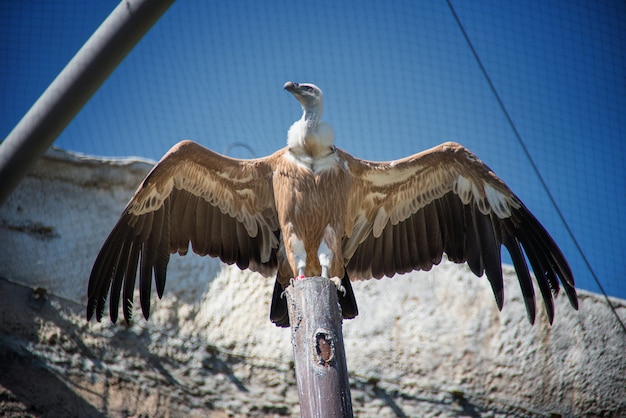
[(532, 162)]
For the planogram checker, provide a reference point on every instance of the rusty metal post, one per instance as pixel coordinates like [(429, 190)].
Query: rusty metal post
[(317, 340)]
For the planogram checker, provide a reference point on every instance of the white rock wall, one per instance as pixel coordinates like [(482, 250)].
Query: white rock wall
[(437, 333)]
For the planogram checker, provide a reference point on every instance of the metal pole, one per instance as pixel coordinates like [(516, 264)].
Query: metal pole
[(319, 354), (73, 87)]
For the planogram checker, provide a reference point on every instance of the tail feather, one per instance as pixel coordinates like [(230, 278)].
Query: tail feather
[(349, 308), (279, 313)]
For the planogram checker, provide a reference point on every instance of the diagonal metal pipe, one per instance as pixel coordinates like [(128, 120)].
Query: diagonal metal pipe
[(73, 87)]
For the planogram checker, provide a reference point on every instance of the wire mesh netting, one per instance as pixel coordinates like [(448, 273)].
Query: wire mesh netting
[(399, 77)]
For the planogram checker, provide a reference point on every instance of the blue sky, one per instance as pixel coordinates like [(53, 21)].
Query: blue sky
[(399, 77)]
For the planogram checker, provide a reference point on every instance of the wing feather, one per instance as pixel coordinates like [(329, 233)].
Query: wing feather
[(223, 206), (148, 260), (176, 219), (129, 280), (420, 230), (401, 244), (215, 239), (201, 232), (388, 251), (472, 242), (433, 232), (118, 280), (408, 213), (526, 284), (490, 255), (229, 240), (540, 268), (377, 264), (163, 252), (145, 277), (243, 246), (455, 227), (188, 225), (411, 238)]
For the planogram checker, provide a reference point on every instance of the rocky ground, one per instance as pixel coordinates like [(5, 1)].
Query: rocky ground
[(54, 363)]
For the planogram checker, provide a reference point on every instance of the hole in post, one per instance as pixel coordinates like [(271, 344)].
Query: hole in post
[(324, 347)]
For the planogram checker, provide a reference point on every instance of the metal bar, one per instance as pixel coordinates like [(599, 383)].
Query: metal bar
[(73, 87), (319, 354)]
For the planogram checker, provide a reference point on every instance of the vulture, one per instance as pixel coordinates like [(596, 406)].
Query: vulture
[(311, 209)]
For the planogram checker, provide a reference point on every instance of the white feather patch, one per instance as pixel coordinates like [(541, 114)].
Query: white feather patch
[(487, 200), (463, 188), (325, 256), (152, 201), (299, 253), (379, 222), (498, 202), (303, 161), (325, 163), (387, 177)]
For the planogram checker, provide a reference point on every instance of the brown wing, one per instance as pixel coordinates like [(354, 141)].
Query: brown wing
[(407, 213), (223, 206)]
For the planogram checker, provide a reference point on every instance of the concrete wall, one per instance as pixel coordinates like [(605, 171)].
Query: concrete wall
[(424, 344)]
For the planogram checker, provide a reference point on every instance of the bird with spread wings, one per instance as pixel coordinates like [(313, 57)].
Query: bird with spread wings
[(311, 209)]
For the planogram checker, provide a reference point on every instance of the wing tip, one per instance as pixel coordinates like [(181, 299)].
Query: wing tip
[(547, 260), (531, 313), (90, 310)]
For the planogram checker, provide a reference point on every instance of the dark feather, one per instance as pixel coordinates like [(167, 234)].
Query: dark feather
[(360, 263), (540, 268), (145, 277), (215, 247), (103, 269), (129, 280), (389, 267), (349, 307), (490, 255), (400, 249), (401, 244), (202, 232), (455, 227), (243, 240), (187, 225), (433, 231), (557, 260), (255, 249), (149, 249), (411, 238), (229, 240), (163, 253), (179, 200), (146, 230), (118, 280), (279, 313), (472, 242), (378, 263), (523, 275), (422, 256)]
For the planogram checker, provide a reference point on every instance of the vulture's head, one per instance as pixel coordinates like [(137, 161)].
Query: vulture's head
[(309, 95)]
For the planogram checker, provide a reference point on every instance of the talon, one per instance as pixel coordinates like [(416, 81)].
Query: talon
[(340, 287)]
